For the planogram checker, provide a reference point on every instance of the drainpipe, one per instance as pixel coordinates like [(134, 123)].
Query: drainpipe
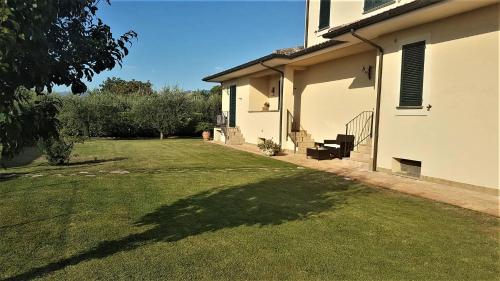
[(280, 104), (306, 43), (379, 94)]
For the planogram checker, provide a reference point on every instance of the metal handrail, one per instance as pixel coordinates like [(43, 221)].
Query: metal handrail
[(222, 119), (290, 129), (358, 127)]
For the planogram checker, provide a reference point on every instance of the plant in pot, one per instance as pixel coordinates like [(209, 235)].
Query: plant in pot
[(205, 128), (266, 106), (269, 147)]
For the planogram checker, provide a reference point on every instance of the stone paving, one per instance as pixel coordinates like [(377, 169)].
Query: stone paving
[(465, 198)]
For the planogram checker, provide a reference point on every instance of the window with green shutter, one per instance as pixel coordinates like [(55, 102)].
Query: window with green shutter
[(412, 74), (324, 14), (374, 4)]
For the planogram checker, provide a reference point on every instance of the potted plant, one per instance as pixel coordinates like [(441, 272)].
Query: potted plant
[(269, 147), (266, 106), (205, 128)]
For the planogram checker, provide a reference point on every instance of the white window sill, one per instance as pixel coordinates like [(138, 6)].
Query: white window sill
[(411, 111)]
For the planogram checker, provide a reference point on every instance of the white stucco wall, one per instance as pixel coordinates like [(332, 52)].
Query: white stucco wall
[(457, 139), (341, 12), (334, 92), (252, 124)]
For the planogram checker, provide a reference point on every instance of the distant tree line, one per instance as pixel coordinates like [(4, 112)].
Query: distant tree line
[(123, 87), (124, 113)]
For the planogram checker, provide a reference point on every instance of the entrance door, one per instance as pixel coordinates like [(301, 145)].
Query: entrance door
[(232, 106)]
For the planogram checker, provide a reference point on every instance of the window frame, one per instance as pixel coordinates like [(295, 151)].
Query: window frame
[(326, 24), (401, 100), (374, 8), (428, 78)]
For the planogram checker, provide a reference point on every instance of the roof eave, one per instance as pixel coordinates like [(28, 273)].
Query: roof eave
[(218, 77), (213, 78), (389, 14)]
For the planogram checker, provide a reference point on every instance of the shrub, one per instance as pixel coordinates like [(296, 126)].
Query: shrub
[(269, 147), (56, 150), (204, 126)]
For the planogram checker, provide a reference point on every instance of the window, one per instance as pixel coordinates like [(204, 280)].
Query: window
[(324, 14), (374, 4), (412, 74)]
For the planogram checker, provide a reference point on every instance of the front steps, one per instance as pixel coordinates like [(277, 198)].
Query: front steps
[(363, 152), (302, 140), (234, 136)]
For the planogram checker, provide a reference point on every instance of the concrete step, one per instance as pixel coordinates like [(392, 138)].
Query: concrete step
[(305, 144), (235, 141), (360, 157), (300, 134), (301, 150), (363, 148), (305, 139)]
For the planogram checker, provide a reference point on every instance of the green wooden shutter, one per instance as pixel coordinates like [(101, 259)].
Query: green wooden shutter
[(232, 106), (324, 14), (412, 74), (372, 4)]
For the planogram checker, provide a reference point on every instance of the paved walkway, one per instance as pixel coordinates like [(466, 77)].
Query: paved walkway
[(359, 171)]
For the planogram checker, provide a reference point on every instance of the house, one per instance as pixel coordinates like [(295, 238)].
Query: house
[(416, 82)]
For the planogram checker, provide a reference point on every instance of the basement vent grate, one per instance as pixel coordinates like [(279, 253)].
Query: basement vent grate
[(406, 167)]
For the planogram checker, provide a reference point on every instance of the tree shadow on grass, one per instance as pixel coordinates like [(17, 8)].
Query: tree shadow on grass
[(45, 168), (33, 221), (26, 157), (266, 203), (95, 161)]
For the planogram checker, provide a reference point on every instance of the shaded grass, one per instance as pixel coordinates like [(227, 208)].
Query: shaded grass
[(191, 210)]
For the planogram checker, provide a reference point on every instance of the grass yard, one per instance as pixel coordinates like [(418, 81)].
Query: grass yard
[(184, 209)]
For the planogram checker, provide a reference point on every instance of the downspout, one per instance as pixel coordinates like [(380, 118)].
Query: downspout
[(307, 25), (379, 94), (280, 104)]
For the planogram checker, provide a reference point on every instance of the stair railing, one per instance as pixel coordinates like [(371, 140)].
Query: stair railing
[(361, 127), (222, 121), (292, 130)]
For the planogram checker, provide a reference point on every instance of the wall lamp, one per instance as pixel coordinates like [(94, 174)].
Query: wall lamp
[(368, 71)]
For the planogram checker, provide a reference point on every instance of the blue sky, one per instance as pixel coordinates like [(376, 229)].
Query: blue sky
[(182, 41)]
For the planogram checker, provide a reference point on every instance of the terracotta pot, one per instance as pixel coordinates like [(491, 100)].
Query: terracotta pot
[(206, 135), (269, 152)]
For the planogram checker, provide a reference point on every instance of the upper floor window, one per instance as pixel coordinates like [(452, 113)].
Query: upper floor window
[(374, 4), (324, 14)]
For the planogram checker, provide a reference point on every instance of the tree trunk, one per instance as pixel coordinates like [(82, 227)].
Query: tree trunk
[(161, 135)]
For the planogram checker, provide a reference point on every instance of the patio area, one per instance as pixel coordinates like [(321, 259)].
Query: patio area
[(465, 198)]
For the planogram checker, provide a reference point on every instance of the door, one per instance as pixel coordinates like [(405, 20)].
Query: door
[(232, 106)]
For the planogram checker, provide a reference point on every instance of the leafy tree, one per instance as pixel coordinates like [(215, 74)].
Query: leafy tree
[(75, 117), (45, 43), (57, 150), (166, 112), (206, 104), (119, 86), (32, 117)]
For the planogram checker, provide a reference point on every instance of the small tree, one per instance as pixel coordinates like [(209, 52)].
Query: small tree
[(166, 112)]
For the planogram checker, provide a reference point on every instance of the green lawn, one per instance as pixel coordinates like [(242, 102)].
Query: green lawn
[(192, 210)]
